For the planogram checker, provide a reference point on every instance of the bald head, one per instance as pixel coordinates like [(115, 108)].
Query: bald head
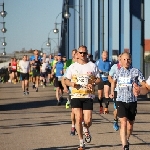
[(125, 60)]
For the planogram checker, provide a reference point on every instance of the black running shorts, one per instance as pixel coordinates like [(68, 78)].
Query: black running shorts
[(127, 110), (84, 103), (102, 83), (24, 76)]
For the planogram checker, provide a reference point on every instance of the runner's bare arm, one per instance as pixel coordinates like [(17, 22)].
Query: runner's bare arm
[(113, 85), (110, 79)]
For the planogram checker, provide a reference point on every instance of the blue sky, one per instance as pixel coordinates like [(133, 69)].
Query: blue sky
[(28, 23)]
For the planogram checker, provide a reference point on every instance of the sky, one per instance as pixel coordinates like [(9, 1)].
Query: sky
[(28, 23)]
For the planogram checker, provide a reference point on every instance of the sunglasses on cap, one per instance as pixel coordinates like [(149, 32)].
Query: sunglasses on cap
[(84, 53)]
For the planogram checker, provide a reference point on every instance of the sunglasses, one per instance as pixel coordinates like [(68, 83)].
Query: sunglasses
[(84, 53)]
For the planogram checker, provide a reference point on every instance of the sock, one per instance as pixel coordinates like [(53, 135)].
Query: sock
[(81, 143), (106, 102), (100, 102), (73, 126)]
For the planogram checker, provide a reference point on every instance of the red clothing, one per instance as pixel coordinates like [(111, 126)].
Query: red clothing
[(14, 66)]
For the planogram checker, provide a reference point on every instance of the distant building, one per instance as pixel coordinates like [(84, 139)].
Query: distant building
[(147, 47)]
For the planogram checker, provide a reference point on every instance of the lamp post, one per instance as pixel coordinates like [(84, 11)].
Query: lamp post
[(3, 14), (4, 52), (49, 43), (67, 15)]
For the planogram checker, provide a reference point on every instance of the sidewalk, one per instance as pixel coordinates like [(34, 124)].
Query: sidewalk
[(34, 122)]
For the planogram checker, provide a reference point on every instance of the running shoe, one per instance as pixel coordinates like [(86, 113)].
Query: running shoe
[(36, 90), (58, 103), (24, 93), (81, 147), (101, 110), (27, 92), (33, 86), (116, 126), (106, 111), (73, 131), (126, 147)]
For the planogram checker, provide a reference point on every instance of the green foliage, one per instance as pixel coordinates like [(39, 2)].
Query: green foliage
[(147, 58)]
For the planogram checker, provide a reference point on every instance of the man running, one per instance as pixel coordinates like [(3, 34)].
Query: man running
[(112, 72), (24, 66), (125, 77), (59, 66), (82, 77), (104, 66)]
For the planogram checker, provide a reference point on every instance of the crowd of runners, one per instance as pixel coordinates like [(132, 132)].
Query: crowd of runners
[(78, 77)]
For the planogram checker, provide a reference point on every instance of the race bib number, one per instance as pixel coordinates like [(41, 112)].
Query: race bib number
[(82, 80), (124, 81)]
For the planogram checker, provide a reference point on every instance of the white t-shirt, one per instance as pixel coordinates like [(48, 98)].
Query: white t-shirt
[(82, 75), (44, 67), (24, 66), (148, 80)]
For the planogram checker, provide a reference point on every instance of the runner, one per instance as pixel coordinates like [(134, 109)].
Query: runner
[(104, 66), (82, 77), (32, 60), (74, 59), (10, 70), (44, 68), (125, 77), (36, 72), (14, 70), (59, 66), (112, 71), (24, 73)]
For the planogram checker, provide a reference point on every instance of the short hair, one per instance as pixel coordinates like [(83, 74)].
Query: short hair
[(82, 46), (74, 50), (127, 53)]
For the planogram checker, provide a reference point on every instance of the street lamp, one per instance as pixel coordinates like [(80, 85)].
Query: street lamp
[(3, 29), (3, 13), (4, 52), (49, 43), (3, 43), (67, 15)]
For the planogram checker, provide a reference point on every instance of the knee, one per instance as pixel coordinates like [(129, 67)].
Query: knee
[(88, 121)]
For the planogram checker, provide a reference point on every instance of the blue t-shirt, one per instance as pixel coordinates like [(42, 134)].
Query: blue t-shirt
[(33, 57), (59, 68), (104, 66)]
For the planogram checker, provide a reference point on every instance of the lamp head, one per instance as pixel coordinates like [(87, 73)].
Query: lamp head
[(67, 15), (3, 13), (55, 30)]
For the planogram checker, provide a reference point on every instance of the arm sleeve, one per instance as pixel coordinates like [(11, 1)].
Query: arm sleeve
[(69, 73), (112, 71)]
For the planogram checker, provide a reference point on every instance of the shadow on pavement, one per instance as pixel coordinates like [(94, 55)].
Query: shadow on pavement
[(27, 105)]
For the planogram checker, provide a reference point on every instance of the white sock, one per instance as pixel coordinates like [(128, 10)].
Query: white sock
[(73, 126), (81, 143)]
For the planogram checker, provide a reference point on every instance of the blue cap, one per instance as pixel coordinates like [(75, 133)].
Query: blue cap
[(59, 54)]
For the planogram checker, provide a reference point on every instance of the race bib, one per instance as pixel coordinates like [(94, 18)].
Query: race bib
[(82, 80), (105, 74), (124, 81), (14, 67)]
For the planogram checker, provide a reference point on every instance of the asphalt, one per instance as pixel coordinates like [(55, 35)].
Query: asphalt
[(34, 122)]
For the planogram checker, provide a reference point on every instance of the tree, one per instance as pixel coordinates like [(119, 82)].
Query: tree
[(147, 58)]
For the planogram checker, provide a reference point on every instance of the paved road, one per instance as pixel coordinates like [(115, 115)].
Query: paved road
[(34, 122)]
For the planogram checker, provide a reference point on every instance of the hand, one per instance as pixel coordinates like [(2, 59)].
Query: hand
[(111, 95), (136, 90), (66, 90), (89, 87)]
